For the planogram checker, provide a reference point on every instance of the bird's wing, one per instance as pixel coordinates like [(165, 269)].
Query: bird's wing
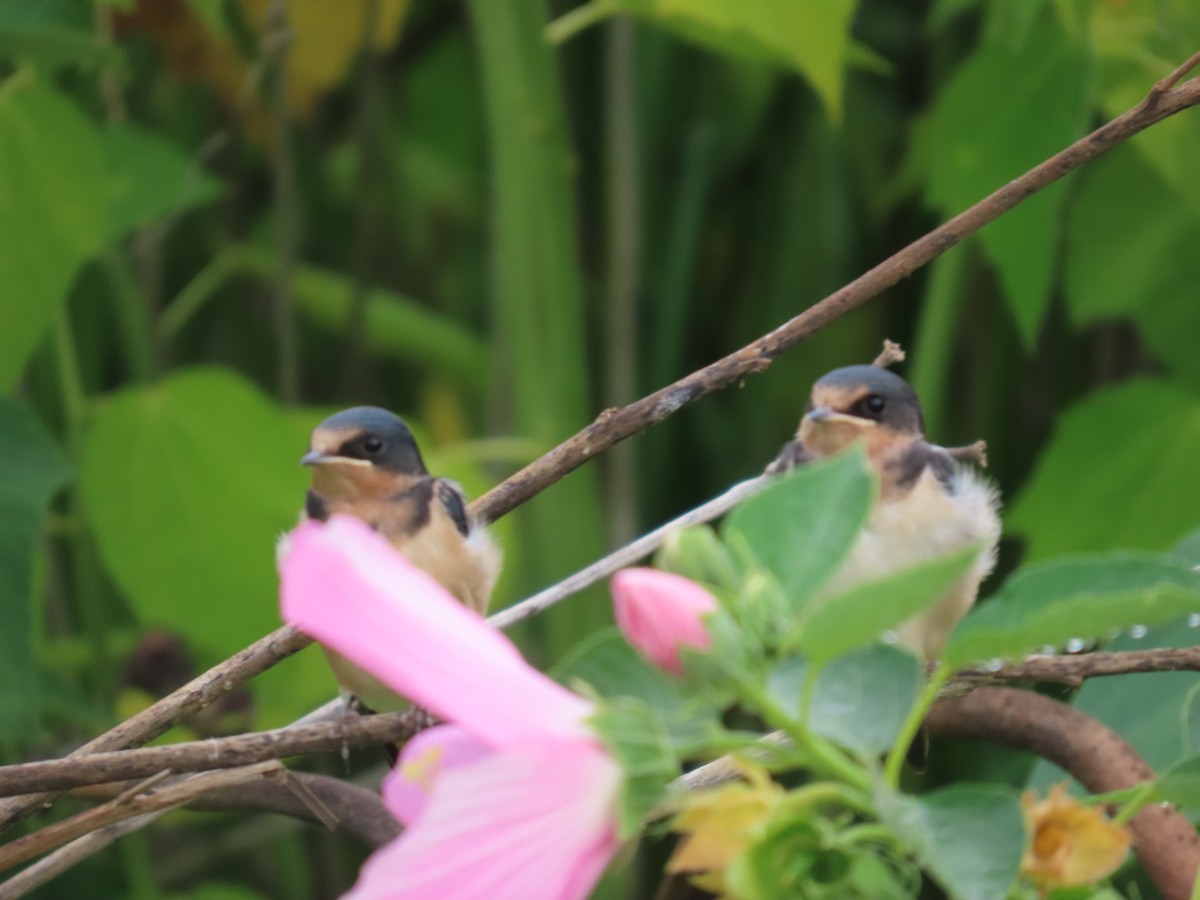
[(454, 502)]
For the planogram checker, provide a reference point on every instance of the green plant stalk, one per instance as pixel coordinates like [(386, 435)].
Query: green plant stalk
[(85, 575), (133, 317), (567, 26), (830, 792), (823, 755), (870, 832), (537, 292), (197, 292), (912, 724), (1142, 795), (929, 371)]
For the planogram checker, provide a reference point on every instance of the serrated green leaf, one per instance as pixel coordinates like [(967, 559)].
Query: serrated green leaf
[(51, 212), (833, 625), (187, 485), (634, 735), (982, 136), (1076, 597), (969, 837), (860, 700), (34, 469), (1130, 239), (802, 527), (1147, 496), (148, 178), (609, 666)]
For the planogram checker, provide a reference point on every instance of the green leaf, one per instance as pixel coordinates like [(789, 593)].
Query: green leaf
[(833, 625), (611, 668), (52, 33), (34, 469), (801, 528), (188, 484), (633, 734), (148, 178), (860, 700), (1191, 719), (51, 212), (1076, 597), (1148, 434), (1130, 243), (970, 837), (811, 38), (982, 136), (1180, 784)]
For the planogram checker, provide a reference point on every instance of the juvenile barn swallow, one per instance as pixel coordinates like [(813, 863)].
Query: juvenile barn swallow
[(365, 463), (930, 504)]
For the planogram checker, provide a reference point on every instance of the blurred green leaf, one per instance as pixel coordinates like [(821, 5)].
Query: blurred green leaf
[(634, 734), (148, 178), (1180, 784), (52, 33), (833, 625), (51, 212), (187, 485), (982, 136), (1076, 597), (860, 699), (1130, 253), (1191, 719), (396, 327), (1148, 436), (970, 837), (607, 664), (801, 527), (34, 469), (811, 38)]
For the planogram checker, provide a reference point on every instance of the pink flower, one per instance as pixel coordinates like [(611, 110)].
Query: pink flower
[(660, 613), (517, 798)]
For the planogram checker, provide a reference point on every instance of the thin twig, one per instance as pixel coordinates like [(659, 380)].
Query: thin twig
[(277, 41), (890, 354), (631, 553), (614, 425), (1171, 80), (213, 753)]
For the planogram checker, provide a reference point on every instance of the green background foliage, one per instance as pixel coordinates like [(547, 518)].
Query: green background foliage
[(457, 170)]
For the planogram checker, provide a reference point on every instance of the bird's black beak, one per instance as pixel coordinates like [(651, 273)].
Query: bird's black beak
[(819, 414), (313, 458)]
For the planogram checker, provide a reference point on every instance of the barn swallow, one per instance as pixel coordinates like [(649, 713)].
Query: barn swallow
[(365, 463), (930, 504)]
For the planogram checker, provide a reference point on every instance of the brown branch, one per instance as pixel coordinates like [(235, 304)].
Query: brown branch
[(891, 354), (359, 810), (1098, 757), (175, 707), (215, 753), (267, 786), (1074, 669), (614, 425)]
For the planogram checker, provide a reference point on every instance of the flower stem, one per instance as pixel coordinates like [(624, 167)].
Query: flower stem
[(912, 724)]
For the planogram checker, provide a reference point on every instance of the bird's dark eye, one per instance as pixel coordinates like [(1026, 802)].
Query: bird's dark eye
[(372, 443), (872, 404)]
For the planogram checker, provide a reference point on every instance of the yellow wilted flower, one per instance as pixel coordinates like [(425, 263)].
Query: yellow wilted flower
[(718, 825), (1070, 844)]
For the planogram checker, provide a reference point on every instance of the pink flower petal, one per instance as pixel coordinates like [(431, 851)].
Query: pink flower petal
[(660, 613), (422, 762), (344, 584), (534, 822)]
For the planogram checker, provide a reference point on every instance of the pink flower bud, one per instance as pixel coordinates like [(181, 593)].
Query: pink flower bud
[(660, 612)]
